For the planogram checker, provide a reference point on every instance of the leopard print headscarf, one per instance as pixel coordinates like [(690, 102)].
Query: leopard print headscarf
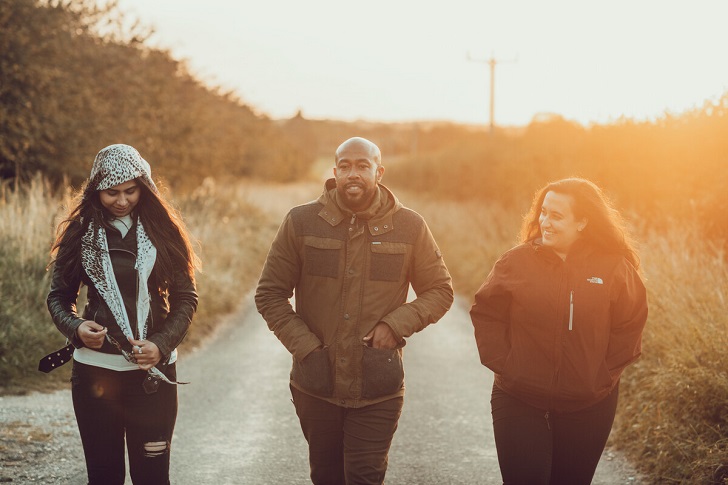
[(117, 164)]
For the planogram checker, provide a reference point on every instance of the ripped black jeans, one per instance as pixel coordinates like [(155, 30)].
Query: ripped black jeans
[(110, 406)]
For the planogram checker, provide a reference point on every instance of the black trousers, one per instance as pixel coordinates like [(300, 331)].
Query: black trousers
[(549, 449), (112, 406), (347, 446)]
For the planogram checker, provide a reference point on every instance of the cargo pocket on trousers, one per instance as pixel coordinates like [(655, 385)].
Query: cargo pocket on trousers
[(313, 374), (382, 372)]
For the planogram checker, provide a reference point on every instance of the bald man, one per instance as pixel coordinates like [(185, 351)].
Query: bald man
[(351, 256)]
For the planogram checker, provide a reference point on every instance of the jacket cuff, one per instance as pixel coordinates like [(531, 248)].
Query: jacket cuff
[(305, 351), (73, 337), (159, 341)]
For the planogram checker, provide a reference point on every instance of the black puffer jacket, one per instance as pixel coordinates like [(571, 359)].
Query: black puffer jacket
[(172, 305)]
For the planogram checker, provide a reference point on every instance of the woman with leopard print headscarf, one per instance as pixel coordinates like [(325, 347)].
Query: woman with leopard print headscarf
[(129, 246)]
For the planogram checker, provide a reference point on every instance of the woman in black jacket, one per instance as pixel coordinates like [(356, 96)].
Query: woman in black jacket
[(131, 249)]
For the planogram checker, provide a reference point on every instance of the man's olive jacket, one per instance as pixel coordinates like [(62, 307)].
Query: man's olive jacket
[(350, 272)]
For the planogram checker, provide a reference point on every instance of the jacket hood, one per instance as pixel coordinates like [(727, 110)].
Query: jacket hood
[(117, 164)]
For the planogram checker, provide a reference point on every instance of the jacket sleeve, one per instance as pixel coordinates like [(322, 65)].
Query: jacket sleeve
[(62, 298), (432, 284), (490, 314), (182, 307), (629, 315), (278, 279)]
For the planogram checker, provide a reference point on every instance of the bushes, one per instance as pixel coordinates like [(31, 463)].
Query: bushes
[(67, 91), (673, 167)]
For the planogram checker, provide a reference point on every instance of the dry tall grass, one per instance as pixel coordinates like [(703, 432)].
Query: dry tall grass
[(674, 413), (26, 332)]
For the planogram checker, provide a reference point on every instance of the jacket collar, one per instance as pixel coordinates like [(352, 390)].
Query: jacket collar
[(580, 251), (378, 216)]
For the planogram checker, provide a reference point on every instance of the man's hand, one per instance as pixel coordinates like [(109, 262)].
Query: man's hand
[(91, 334), (147, 353), (381, 337)]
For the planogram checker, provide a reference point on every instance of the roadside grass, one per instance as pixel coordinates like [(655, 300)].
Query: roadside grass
[(26, 331), (673, 416)]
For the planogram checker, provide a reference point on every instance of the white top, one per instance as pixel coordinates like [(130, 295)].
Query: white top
[(123, 224), (115, 362)]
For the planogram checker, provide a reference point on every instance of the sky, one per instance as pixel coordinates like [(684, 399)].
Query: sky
[(405, 60)]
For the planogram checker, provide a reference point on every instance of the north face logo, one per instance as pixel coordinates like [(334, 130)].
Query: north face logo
[(595, 280)]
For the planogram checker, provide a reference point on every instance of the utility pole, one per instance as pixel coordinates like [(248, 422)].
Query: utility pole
[(491, 62)]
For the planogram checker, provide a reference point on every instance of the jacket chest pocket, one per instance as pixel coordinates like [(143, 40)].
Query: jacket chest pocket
[(589, 308), (387, 261), (321, 256)]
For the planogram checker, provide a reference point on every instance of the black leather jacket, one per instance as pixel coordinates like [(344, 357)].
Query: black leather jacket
[(171, 312)]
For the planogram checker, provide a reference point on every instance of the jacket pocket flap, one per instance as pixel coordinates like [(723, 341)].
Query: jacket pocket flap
[(388, 247), (322, 242)]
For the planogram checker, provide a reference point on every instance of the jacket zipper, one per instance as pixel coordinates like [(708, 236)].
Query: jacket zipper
[(571, 310)]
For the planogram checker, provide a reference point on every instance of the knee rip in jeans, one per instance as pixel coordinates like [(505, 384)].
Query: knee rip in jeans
[(152, 449)]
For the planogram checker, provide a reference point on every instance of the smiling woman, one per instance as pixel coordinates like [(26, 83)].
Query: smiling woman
[(559, 226), (573, 281)]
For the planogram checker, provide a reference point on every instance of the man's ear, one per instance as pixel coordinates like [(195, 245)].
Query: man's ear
[(583, 224), (380, 173)]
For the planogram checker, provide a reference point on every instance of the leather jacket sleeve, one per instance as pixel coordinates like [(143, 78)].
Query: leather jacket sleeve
[(182, 306), (61, 303)]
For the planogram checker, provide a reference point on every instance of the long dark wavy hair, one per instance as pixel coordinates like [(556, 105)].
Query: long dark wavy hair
[(606, 228), (162, 223)]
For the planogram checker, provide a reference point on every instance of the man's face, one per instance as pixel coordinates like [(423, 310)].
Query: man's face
[(357, 175)]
